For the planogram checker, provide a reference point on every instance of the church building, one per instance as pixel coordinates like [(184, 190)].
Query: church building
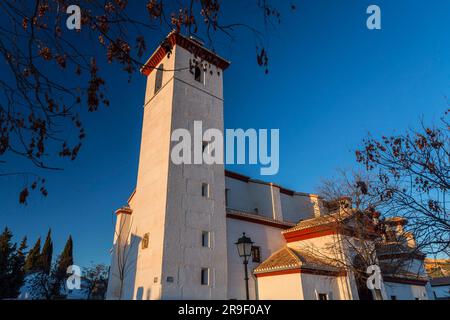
[(176, 237)]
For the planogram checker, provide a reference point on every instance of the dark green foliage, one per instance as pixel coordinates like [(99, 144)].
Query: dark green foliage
[(18, 271), (66, 258), (47, 254), (32, 261), (59, 273), (12, 261), (45, 278)]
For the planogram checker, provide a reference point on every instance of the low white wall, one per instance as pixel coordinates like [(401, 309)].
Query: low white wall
[(441, 292), (405, 291), (315, 284), (281, 287), (300, 286)]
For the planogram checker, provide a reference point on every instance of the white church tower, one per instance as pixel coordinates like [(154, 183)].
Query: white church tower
[(175, 221)]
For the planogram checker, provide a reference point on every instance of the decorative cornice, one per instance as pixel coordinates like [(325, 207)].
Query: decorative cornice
[(236, 176), (124, 210), (175, 38)]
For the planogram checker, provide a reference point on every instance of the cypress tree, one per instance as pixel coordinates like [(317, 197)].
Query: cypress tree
[(7, 251), (47, 253), (11, 265), (65, 260), (33, 257), (18, 272)]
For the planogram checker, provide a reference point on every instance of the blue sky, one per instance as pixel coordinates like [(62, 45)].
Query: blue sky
[(331, 82)]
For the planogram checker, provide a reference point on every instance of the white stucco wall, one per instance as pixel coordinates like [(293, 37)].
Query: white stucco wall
[(248, 197), (281, 287), (188, 212), (266, 237), (441, 292), (337, 247), (405, 291), (270, 202), (297, 207), (312, 285), (300, 286)]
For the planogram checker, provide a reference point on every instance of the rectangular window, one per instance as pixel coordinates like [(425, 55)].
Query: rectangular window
[(198, 74), (322, 296), (205, 147), (205, 190), (145, 241), (159, 78), (205, 277), (256, 254), (206, 242)]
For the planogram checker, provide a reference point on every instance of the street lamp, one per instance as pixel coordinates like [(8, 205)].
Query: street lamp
[(244, 246)]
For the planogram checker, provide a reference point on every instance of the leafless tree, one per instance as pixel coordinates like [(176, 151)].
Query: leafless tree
[(51, 75), (413, 180), (363, 236), (96, 281)]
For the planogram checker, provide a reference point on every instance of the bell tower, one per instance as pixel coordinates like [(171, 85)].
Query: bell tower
[(178, 219)]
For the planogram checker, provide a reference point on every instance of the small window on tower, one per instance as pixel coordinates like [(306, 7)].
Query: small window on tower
[(206, 242), (198, 73), (205, 190), (205, 147), (205, 277), (256, 254), (145, 240), (159, 78)]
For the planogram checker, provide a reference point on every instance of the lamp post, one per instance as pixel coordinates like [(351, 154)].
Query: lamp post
[(244, 246)]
